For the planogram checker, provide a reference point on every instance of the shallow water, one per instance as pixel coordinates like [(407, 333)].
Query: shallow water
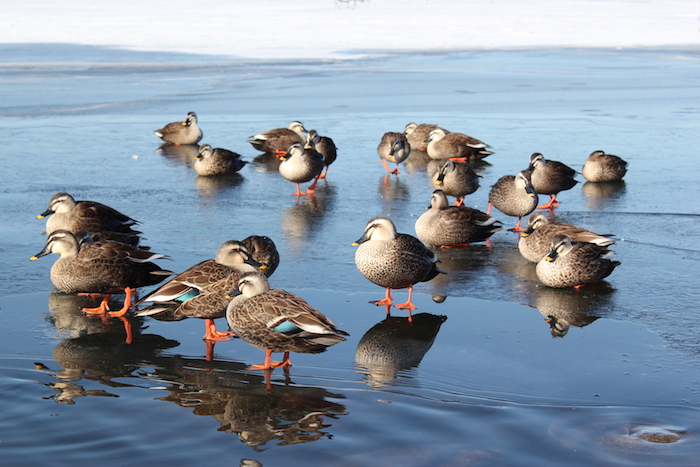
[(494, 387)]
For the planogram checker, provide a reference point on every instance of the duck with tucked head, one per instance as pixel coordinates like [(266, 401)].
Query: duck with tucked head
[(217, 161), (601, 167), (278, 321), (456, 179), (393, 148)]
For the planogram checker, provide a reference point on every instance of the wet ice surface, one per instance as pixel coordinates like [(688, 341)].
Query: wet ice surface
[(495, 387)]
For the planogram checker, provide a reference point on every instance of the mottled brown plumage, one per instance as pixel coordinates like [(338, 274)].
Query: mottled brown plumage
[(186, 132), (513, 195), (536, 241), (444, 145), (601, 167), (278, 321), (217, 161), (93, 218), (573, 264), (279, 139), (201, 290), (445, 225), (550, 178)]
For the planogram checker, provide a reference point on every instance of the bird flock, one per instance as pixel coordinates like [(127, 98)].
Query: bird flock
[(100, 253)]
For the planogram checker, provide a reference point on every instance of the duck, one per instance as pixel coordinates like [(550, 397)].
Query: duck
[(217, 161), (201, 290), (450, 226), (324, 146), (300, 165), (536, 241), (601, 167), (393, 148), (275, 320), (514, 195), (101, 268), (178, 133), (417, 134), (550, 178), (394, 260), (456, 179), (264, 251), (89, 217), (278, 140), (574, 264), (455, 146)]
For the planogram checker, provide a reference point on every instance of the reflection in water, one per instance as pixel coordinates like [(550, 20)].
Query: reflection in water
[(563, 308), (100, 357), (68, 317), (242, 404), (395, 344), (602, 195), (302, 221), (211, 186), (391, 191), (182, 154)]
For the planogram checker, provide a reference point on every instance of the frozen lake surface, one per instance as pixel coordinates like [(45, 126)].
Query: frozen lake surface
[(494, 388)]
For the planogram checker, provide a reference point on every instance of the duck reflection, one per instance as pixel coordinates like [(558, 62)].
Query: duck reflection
[(563, 308), (392, 189), (67, 315), (182, 154), (100, 357), (302, 221), (237, 399), (211, 186), (395, 344), (602, 195)]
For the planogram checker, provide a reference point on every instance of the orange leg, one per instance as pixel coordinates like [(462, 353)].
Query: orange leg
[(408, 304), (127, 303), (212, 334), (209, 356), (386, 166), (127, 329), (488, 211), (325, 172), (458, 245), (101, 309), (517, 228), (299, 192), (269, 363), (459, 201), (458, 159), (551, 204), (387, 300), (312, 187), (279, 153)]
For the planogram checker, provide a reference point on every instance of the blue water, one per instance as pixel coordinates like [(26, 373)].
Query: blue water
[(493, 387)]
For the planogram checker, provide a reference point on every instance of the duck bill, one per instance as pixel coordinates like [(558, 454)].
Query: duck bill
[(43, 252), (530, 190), (48, 212), (362, 239)]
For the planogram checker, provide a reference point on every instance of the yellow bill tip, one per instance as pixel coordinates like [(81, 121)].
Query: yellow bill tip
[(354, 244), (40, 216), (33, 258)]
